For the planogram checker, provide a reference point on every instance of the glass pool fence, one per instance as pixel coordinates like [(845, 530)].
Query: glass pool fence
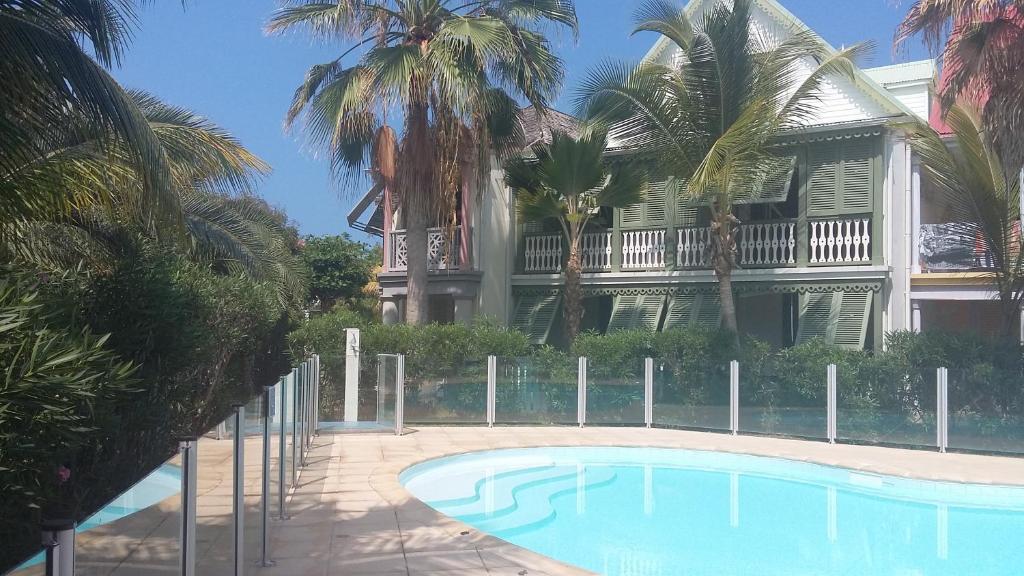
[(933, 408), (211, 508)]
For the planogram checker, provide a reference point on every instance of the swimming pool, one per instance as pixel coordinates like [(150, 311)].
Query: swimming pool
[(651, 511)]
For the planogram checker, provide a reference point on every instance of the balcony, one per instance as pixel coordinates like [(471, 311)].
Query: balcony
[(838, 241), (441, 255)]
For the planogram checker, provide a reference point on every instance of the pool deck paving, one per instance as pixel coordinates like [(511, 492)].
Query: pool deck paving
[(349, 515)]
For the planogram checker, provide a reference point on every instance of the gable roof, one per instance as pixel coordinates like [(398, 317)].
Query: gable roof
[(788, 21), (537, 127)]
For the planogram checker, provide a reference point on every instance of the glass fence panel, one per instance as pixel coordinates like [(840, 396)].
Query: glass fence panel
[(986, 409), (536, 390), (137, 531), (214, 490), (615, 392), (387, 388), (274, 471), (878, 403), (288, 436), (783, 400), (332, 388), (253, 482), (691, 394), (446, 394)]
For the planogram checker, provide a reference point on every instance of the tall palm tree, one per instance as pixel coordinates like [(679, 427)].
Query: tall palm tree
[(982, 47), (57, 101), (569, 181), (441, 67), (982, 196), (710, 118)]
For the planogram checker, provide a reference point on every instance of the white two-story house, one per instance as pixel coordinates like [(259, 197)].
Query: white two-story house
[(847, 246)]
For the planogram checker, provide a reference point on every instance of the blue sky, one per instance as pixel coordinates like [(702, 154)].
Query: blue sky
[(213, 58)]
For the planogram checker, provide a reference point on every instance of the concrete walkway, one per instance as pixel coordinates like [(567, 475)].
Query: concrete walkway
[(350, 516)]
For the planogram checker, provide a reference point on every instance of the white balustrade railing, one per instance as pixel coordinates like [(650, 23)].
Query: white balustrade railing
[(439, 255), (693, 247), (643, 249), (544, 253), (766, 243), (596, 251), (840, 240)]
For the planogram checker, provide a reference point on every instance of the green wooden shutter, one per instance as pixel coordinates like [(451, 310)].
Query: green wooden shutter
[(656, 207), (815, 316), (623, 312), (535, 314), (851, 326), (636, 311), (858, 176), (823, 180), (708, 311), (840, 318), (680, 311)]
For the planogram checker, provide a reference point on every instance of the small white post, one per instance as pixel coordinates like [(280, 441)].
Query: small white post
[(941, 409), (734, 397), (648, 391), (351, 374), (400, 395), (58, 537), (831, 401), (581, 391), (492, 384)]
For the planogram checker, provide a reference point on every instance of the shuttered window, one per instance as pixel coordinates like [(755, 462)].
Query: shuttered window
[(776, 185), (652, 212), (687, 310), (842, 178), (535, 314), (839, 318), (636, 311)]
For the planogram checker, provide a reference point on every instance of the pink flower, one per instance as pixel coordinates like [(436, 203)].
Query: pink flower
[(63, 473)]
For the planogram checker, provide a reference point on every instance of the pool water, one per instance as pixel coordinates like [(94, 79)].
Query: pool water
[(648, 511)]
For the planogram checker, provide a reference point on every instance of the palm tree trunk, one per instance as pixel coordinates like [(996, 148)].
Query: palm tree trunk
[(417, 299), (723, 271), (573, 293)]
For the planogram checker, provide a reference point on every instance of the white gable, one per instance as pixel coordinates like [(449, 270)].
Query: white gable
[(912, 83), (841, 100)]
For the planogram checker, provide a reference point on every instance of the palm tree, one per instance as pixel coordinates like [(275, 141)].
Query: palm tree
[(711, 117), (569, 181), (440, 66), (212, 177), (58, 103), (982, 62), (980, 193)]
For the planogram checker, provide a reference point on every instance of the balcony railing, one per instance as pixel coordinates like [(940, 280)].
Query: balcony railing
[(545, 253), (759, 244), (772, 244), (441, 255), (840, 241)]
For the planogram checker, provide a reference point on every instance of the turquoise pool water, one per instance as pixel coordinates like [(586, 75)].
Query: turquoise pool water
[(160, 484), (648, 511)]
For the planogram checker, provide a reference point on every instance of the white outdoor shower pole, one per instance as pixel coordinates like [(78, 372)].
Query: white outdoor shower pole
[(351, 374)]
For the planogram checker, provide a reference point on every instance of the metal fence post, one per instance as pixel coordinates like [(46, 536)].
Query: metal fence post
[(831, 397), (648, 391), (400, 395), (238, 490), (942, 408), (734, 397), (316, 395), (58, 537), (187, 530), (282, 445), (581, 391), (265, 479), (295, 425), (492, 388)]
